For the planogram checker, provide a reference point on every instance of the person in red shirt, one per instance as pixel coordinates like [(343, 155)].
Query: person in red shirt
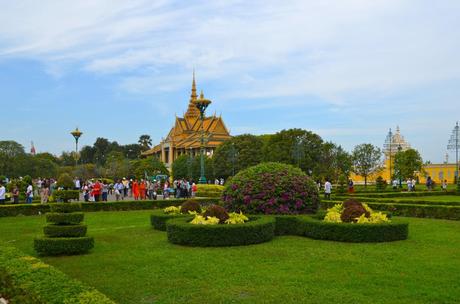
[(135, 190), (142, 189), (97, 187)]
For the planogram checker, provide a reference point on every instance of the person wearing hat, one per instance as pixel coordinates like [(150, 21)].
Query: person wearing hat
[(125, 187)]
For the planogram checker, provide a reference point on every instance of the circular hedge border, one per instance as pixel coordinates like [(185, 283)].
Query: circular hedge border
[(257, 230), (58, 246), (357, 233), (158, 219)]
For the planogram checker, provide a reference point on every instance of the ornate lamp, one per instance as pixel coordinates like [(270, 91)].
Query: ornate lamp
[(76, 134), (202, 104)]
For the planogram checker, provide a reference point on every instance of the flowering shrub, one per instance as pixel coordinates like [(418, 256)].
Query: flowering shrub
[(363, 214), (236, 218), (190, 205), (216, 211), (271, 188), (201, 220), (232, 218), (172, 210)]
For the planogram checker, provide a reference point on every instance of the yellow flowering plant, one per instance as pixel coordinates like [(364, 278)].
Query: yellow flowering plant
[(236, 218), (333, 215), (172, 210), (201, 220)]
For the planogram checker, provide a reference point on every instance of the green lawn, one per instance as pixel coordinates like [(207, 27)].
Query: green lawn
[(132, 263)]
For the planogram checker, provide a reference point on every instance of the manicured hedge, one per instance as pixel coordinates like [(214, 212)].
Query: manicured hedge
[(65, 207), (403, 194), (403, 201), (349, 232), (66, 195), (35, 209), (158, 219), (65, 218), (57, 246), (288, 225), (27, 280), (209, 190), (411, 210), (65, 230), (257, 230)]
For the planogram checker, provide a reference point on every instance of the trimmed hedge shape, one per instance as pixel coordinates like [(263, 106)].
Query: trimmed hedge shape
[(65, 207), (58, 246), (65, 218), (289, 225), (257, 230), (66, 195), (358, 233), (65, 230), (205, 190), (26, 280), (158, 219)]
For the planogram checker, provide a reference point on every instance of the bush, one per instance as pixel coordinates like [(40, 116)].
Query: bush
[(380, 184), (271, 188), (63, 245), (27, 280), (158, 219), (65, 208), (65, 181), (65, 218), (204, 190), (66, 195), (65, 230), (288, 225), (349, 232), (342, 182), (352, 210), (190, 205), (257, 230), (217, 211)]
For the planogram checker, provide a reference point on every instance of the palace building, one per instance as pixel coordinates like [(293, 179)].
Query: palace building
[(185, 136)]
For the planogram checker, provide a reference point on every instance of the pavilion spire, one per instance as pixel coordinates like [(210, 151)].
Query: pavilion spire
[(192, 110), (193, 96)]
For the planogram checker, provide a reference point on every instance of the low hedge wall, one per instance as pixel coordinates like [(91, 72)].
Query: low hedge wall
[(400, 194), (63, 245), (35, 209), (65, 207), (209, 190), (65, 218), (27, 280), (257, 230), (411, 210), (53, 230), (349, 232), (402, 201), (158, 219)]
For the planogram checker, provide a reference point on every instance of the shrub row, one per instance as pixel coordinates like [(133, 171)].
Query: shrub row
[(402, 201), (402, 194), (158, 219), (27, 280), (257, 230), (65, 207), (209, 190), (35, 209), (57, 246), (53, 230), (65, 218), (411, 210)]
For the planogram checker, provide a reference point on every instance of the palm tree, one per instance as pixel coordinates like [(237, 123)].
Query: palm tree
[(145, 141)]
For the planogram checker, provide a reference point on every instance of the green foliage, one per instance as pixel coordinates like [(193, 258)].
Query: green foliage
[(271, 188), (353, 210), (208, 190), (65, 181), (53, 230), (63, 245), (150, 166), (216, 211), (65, 208), (117, 166), (349, 232), (66, 195), (186, 167), (406, 163), (366, 160), (288, 225), (237, 153), (257, 230), (190, 206), (65, 218), (145, 142), (342, 184), (27, 280), (380, 184), (158, 219)]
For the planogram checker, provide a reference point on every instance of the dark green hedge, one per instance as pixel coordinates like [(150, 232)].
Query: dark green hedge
[(27, 280), (57, 246), (349, 232), (65, 218), (158, 219), (288, 225), (412, 210), (403, 201), (257, 230), (401, 194), (35, 209), (66, 195), (65, 230), (65, 207)]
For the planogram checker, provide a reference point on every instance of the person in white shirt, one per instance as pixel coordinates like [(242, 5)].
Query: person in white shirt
[(2, 194), (327, 189), (29, 194)]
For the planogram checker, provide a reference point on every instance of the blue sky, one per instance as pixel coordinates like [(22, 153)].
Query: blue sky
[(346, 69)]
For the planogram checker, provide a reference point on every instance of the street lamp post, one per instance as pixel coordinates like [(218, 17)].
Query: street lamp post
[(454, 145), (388, 147), (202, 104), (399, 170), (76, 134), (189, 164)]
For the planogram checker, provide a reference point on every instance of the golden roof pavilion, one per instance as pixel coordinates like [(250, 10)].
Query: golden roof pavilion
[(184, 137)]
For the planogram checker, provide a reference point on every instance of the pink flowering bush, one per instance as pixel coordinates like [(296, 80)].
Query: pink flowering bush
[(271, 188)]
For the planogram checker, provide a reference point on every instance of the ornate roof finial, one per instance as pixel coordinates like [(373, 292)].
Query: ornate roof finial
[(397, 129), (201, 94), (193, 96)]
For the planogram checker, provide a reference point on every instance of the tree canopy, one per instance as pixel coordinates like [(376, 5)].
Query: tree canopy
[(366, 160)]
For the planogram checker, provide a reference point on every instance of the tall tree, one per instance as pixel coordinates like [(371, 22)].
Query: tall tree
[(407, 163), (366, 160), (132, 151), (117, 166), (10, 148), (145, 141), (150, 166)]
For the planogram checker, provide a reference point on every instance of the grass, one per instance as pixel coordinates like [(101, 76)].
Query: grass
[(132, 263)]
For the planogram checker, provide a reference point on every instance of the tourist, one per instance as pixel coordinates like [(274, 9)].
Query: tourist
[(77, 184), (413, 184), (327, 189), (15, 194), (2, 193), (44, 194), (429, 183), (86, 192), (125, 187), (444, 185), (151, 190), (166, 190), (135, 190), (29, 194), (97, 188), (409, 185), (351, 188), (119, 190), (395, 184), (194, 189), (142, 189), (105, 191)]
